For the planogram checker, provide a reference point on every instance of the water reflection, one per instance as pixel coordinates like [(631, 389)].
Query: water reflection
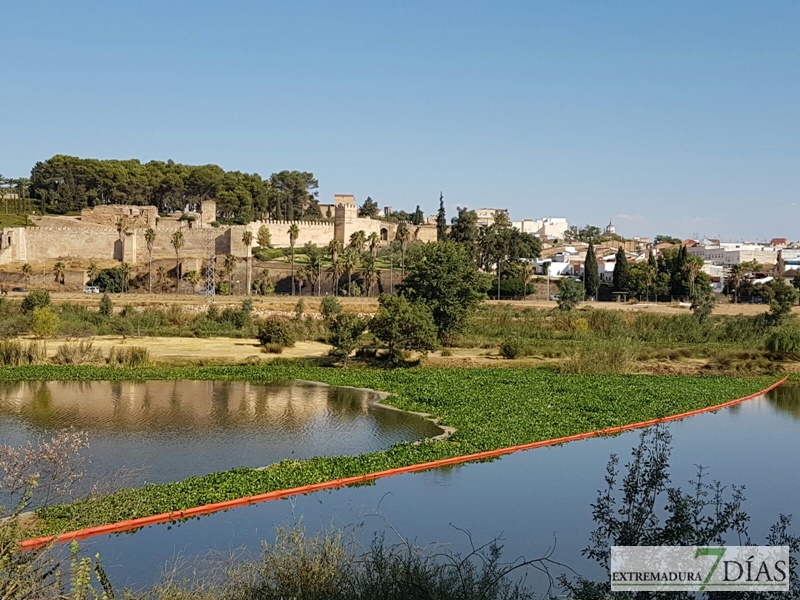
[(786, 398), (174, 429)]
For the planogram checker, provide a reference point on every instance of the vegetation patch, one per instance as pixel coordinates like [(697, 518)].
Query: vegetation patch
[(490, 408)]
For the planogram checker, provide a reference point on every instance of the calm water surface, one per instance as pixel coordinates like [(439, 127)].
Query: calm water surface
[(170, 430), (532, 499)]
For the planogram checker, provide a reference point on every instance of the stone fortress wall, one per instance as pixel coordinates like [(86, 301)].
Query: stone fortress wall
[(97, 235)]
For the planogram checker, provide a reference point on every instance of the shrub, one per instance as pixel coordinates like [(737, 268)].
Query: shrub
[(77, 354), (275, 330), (106, 306), (784, 341), (570, 293), (35, 299), (612, 356), (511, 349), (329, 308), (134, 356), (403, 325), (14, 353), (345, 331), (273, 348)]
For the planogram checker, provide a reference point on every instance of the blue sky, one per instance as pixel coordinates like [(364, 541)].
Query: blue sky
[(669, 117)]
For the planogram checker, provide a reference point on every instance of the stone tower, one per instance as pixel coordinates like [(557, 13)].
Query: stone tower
[(208, 213)]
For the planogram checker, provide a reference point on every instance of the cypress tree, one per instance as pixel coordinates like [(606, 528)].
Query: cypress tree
[(621, 275), (591, 279), (441, 220)]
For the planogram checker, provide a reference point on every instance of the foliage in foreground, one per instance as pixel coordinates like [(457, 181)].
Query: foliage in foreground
[(628, 512), (328, 566), (490, 408)]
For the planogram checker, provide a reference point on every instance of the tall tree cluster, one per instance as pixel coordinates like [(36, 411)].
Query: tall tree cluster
[(63, 184)]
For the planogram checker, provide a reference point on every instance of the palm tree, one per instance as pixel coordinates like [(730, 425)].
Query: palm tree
[(150, 238), (177, 244), (161, 276), (404, 235), (59, 270), (692, 271), (350, 261), (192, 278), (650, 273), (126, 271), (737, 276), (27, 270), (374, 242), (528, 273), (370, 273), (358, 240), (247, 240), (229, 265), (336, 274), (294, 232)]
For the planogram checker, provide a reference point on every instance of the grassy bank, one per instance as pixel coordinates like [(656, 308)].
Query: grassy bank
[(490, 408)]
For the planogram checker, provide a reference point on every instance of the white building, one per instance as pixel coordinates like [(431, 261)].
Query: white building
[(546, 228), (727, 254)]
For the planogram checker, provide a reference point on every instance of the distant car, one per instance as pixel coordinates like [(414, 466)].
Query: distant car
[(91, 289), (18, 289), (554, 297)]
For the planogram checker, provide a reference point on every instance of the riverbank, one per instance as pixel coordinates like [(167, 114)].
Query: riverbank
[(489, 408)]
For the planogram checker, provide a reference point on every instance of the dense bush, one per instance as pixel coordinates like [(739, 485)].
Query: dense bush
[(277, 330), (132, 357), (81, 353), (512, 348), (14, 353), (784, 341), (35, 299)]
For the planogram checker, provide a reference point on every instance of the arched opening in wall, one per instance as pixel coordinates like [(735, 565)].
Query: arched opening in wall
[(384, 234)]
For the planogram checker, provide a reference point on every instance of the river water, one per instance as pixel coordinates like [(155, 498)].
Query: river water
[(532, 499)]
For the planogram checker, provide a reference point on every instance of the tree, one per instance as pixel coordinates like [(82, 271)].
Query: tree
[(703, 302), (621, 276), (370, 272), (177, 243), (374, 241), (45, 323), (419, 216), (441, 220), (229, 266), (344, 331), (403, 325), (125, 270), (106, 306), (161, 276), (464, 230), (660, 239), (570, 293), (404, 235), (247, 240), (293, 195), (192, 278), (528, 273), (782, 297), (294, 232), (350, 261), (795, 281), (59, 270), (150, 239), (264, 237), (314, 258), (358, 240), (591, 277), (27, 270), (442, 276), (369, 209), (35, 299), (692, 267)]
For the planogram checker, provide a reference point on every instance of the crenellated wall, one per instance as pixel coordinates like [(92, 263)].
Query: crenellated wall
[(93, 240)]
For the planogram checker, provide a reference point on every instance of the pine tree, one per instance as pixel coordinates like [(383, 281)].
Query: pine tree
[(591, 278), (621, 275), (441, 220), (651, 260)]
